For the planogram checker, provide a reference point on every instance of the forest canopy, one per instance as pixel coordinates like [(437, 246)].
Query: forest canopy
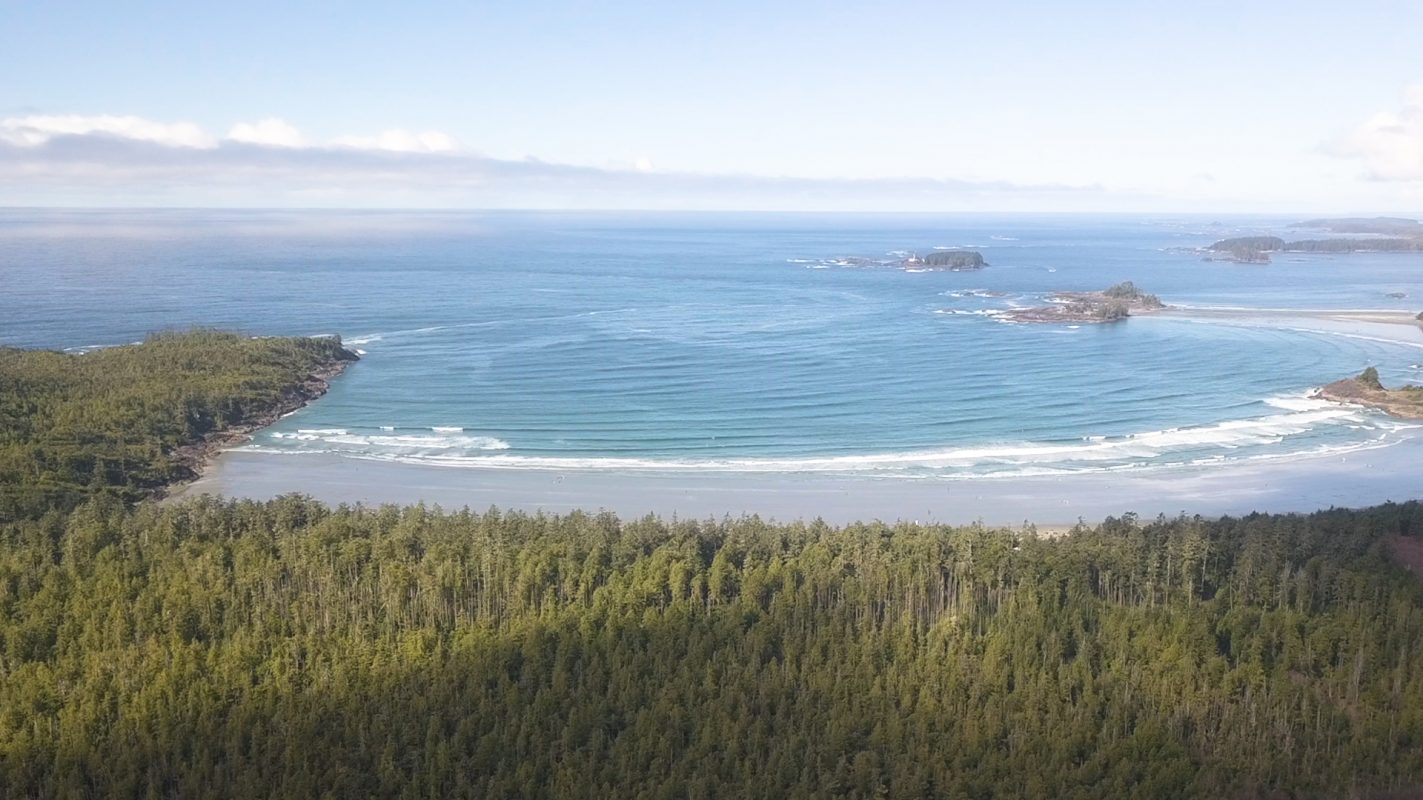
[(113, 420), (288, 649)]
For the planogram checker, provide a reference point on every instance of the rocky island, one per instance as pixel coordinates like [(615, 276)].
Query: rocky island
[(1245, 249), (1365, 389), (936, 261), (952, 260), (1112, 304)]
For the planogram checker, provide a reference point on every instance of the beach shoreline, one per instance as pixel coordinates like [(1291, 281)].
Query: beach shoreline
[(1300, 484), (197, 457), (1368, 316)]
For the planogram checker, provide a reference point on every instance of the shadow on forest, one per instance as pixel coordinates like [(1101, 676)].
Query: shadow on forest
[(310, 652)]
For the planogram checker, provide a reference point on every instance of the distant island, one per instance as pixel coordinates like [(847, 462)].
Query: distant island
[(1381, 226), (1379, 235), (937, 261), (1247, 249), (954, 260), (1112, 304), (1365, 389)]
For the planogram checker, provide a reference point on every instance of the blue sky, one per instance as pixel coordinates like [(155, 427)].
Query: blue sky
[(1202, 106)]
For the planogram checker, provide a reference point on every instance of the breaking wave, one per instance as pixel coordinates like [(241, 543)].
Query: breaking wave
[(1286, 432)]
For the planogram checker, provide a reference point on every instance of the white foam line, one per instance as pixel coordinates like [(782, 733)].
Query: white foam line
[(1302, 414), (603, 465), (343, 439)]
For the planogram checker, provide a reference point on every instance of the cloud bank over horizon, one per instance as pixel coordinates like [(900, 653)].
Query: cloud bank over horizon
[(97, 160), (75, 158)]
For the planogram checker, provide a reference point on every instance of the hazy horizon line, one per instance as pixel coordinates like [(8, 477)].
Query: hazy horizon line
[(1418, 214)]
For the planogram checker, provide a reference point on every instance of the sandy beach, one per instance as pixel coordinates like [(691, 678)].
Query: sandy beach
[(1298, 484)]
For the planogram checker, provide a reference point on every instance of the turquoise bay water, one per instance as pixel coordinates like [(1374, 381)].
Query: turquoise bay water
[(732, 341)]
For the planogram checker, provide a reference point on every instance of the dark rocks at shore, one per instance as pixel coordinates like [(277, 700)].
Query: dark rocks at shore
[(195, 456)]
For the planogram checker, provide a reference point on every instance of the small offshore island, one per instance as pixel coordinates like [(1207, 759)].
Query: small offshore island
[(1365, 389), (951, 260), (954, 260), (1113, 304)]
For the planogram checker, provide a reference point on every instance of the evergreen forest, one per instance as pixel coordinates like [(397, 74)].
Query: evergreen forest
[(233, 648)]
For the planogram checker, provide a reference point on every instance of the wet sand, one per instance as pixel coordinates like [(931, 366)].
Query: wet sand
[(1300, 484), (1398, 326)]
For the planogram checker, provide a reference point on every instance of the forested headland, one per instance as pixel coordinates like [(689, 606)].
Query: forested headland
[(127, 421), (291, 649)]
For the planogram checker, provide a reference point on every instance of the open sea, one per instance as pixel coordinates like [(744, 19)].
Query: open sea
[(738, 342)]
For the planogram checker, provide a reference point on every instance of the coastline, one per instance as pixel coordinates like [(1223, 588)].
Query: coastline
[(1301, 484), (198, 457), (1227, 314)]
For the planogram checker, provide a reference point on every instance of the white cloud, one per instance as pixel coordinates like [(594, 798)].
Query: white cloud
[(129, 160), (39, 129), (401, 141), (271, 132), (35, 130), (1390, 143)]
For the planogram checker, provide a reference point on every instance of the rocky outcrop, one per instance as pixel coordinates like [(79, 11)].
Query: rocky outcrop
[(1113, 304), (1365, 389)]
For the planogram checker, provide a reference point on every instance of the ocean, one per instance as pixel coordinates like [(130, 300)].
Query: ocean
[(740, 343)]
